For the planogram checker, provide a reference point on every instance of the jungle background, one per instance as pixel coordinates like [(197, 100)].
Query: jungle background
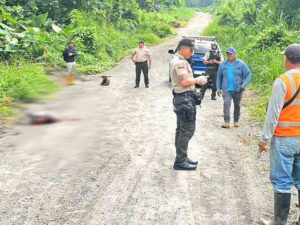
[(34, 33)]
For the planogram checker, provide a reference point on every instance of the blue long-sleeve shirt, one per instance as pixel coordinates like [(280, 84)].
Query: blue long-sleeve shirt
[(241, 75)]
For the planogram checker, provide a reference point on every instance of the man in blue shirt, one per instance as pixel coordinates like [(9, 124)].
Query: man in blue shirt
[(232, 77)]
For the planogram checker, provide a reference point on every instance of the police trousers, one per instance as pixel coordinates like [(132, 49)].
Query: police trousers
[(185, 110), (212, 79), (139, 67)]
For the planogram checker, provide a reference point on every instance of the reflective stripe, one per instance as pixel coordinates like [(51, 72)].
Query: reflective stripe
[(292, 82), (288, 124), (296, 102)]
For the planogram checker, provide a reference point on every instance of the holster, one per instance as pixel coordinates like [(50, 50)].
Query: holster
[(184, 107)]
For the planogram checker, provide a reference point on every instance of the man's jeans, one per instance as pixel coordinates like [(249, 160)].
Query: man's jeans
[(236, 97), (285, 163)]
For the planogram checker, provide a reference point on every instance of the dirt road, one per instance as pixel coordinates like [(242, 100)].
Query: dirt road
[(114, 164)]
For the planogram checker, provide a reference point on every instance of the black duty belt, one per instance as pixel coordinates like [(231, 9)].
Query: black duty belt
[(186, 93), (141, 62)]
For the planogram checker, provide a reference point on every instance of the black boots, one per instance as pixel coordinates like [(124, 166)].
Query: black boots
[(282, 203), (184, 166)]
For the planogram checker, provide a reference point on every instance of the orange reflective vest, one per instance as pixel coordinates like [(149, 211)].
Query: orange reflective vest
[(289, 118)]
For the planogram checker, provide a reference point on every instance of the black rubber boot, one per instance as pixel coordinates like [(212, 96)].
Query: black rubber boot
[(282, 202)]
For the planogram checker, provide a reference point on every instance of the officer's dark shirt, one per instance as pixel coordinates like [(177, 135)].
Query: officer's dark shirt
[(214, 55)]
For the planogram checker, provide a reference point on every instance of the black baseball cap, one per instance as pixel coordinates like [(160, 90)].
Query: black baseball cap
[(185, 42), (292, 53)]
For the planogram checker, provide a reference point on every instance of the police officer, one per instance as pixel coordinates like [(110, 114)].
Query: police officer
[(183, 102), (142, 60), (212, 59)]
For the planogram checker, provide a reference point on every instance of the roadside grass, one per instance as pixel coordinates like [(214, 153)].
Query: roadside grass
[(22, 83), (99, 47)]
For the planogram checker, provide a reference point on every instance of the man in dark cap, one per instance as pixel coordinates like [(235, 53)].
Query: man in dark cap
[(184, 103), (142, 60), (232, 78), (282, 125), (212, 59)]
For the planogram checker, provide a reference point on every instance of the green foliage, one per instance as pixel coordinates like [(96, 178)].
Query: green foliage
[(258, 30), (274, 36), (23, 82), (104, 31), (198, 3)]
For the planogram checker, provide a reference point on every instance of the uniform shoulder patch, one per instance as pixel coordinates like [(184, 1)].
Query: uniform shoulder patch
[(180, 66)]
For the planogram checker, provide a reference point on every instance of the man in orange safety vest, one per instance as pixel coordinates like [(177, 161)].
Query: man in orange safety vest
[(282, 126)]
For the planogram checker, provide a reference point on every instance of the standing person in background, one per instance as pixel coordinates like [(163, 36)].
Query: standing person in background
[(142, 60), (69, 56), (232, 77), (212, 59), (184, 103), (282, 126)]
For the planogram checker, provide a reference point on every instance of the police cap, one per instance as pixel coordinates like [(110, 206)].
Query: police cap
[(292, 53)]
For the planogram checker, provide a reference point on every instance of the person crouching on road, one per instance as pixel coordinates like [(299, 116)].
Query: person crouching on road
[(232, 77), (142, 60), (282, 126), (183, 102), (69, 56)]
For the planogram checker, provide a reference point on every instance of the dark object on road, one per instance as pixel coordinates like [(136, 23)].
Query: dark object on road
[(105, 81), (41, 118), (45, 119)]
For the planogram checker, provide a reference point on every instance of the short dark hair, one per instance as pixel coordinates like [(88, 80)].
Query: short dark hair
[(185, 42), (292, 53)]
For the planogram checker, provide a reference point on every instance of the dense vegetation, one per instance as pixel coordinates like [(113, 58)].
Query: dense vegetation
[(259, 30), (104, 31), (198, 3)]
